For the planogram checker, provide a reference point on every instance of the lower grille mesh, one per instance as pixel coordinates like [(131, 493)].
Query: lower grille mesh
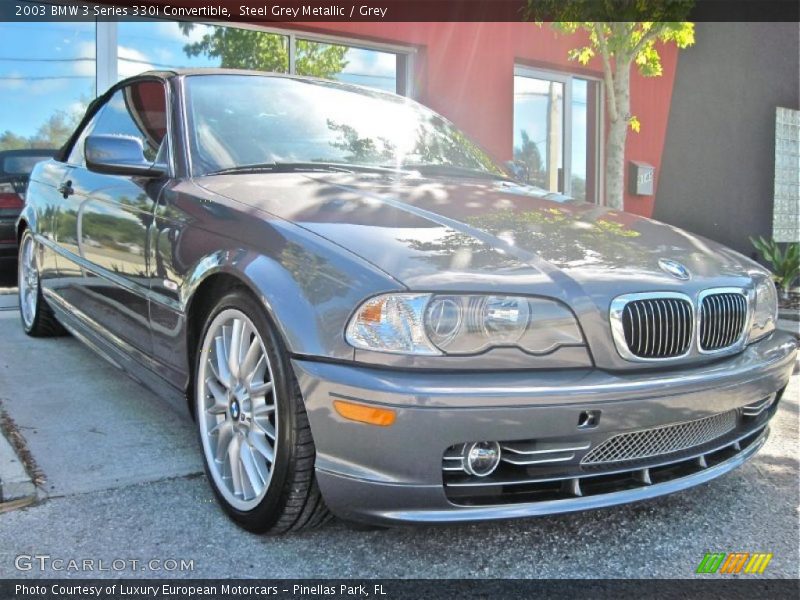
[(661, 440)]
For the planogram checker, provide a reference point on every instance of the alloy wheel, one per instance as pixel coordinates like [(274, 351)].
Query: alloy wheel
[(28, 283), (237, 409)]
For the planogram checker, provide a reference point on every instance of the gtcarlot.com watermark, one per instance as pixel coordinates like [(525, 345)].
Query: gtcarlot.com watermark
[(45, 563)]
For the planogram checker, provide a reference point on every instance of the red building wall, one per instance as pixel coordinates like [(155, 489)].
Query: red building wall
[(465, 71)]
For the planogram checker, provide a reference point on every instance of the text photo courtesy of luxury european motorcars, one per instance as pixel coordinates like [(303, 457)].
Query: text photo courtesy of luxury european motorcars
[(370, 299)]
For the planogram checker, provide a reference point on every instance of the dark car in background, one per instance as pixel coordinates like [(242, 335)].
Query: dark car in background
[(15, 170), (368, 316)]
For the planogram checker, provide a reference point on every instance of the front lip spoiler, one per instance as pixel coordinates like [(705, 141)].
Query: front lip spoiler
[(552, 507)]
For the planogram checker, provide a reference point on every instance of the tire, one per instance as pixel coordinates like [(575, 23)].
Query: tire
[(36, 315), (249, 409)]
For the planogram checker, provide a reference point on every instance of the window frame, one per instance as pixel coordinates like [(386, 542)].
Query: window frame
[(100, 102), (107, 48), (567, 78)]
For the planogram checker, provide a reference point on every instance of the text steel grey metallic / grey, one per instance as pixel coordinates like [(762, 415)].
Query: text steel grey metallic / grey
[(370, 319)]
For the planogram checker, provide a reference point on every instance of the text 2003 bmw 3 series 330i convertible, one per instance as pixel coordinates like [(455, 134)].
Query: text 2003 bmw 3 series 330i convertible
[(370, 319)]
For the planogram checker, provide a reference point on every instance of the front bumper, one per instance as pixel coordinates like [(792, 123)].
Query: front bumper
[(394, 474)]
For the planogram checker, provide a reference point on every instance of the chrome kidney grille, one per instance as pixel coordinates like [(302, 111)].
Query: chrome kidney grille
[(667, 325), (722, 320), (659, 441), (658, 327)]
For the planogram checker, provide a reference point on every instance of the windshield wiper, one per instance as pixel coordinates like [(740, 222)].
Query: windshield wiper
[(290, 167), (283, 167), (434, 169)]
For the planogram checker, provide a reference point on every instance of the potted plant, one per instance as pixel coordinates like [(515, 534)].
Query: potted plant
[(785, 263)]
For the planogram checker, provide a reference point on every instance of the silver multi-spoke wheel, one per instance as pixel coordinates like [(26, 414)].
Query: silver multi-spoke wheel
[(237, 409), (28, 283)]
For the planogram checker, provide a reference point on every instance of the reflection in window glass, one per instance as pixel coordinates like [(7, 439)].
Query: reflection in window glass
[(584, 139), (370, 68), (538, 129), (139, 111), (47, 78), (541, 111), (264, 120), (148, 45)]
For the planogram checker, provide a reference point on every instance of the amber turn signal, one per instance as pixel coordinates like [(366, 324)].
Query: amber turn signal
[(383, 417)]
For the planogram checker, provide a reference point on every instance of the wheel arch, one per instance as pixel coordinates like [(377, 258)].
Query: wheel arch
[(22, 225), (205, 292), (217, 275)]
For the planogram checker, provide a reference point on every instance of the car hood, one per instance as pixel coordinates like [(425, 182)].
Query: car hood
[(475, 234)]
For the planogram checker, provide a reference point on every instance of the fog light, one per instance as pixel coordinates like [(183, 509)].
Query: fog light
[(481, 458)]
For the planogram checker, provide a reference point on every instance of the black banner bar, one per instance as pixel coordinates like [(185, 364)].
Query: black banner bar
[(718, 587), (309, 11)]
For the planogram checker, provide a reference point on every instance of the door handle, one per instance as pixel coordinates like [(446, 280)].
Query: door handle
[(66, 189)]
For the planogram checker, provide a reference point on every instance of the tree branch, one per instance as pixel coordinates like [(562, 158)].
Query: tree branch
[(654, 31)]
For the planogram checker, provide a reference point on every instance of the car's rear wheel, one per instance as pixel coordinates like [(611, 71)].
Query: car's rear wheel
[(257, 445), (37, 317)]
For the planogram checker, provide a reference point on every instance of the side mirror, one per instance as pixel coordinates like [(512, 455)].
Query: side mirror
[(518, 170), (119, 155)]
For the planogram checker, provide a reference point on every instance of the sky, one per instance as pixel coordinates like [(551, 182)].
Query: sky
[(45, 67), (39, 73)]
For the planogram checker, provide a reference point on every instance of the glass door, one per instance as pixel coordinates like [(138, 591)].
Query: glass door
[(556, 131)]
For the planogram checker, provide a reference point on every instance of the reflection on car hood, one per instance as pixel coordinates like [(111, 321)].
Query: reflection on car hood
[(472, 233)]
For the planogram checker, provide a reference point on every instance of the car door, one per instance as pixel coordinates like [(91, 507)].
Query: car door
[(45, 200), (107, 238)]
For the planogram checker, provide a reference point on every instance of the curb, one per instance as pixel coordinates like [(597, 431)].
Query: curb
[(15, 483)]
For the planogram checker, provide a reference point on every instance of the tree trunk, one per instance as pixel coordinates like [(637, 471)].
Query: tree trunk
[(617, 134)]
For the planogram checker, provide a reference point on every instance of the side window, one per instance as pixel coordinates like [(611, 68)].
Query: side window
[(137, 110)]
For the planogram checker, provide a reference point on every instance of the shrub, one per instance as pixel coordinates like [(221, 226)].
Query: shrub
[(785, 264)]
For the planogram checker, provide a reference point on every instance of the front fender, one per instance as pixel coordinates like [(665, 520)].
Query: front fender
[(308, 286), (27, 219)]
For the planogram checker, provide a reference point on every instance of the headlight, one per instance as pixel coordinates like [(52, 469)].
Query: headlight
[(765, 313), (431, 324)]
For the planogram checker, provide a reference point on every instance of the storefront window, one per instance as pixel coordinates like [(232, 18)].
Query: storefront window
[(164, 45), (47, 78), (49, 71), (169, 45), (555, 131), (584, 109), (370, 68), (539, 130)]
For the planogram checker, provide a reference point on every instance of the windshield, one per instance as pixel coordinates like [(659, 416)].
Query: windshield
[(241, 120)]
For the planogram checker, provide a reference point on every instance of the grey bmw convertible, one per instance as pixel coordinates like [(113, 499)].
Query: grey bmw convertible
[(370, 319)]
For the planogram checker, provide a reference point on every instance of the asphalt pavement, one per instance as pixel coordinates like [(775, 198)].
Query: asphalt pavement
[(124, 482)]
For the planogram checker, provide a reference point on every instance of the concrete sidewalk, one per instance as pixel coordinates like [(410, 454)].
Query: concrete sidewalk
[(87, 424), (15, 483)]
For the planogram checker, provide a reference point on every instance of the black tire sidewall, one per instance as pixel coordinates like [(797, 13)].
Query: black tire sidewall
[(268, 511)]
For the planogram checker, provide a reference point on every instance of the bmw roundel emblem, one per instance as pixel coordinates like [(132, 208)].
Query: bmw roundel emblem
[(674, 268)]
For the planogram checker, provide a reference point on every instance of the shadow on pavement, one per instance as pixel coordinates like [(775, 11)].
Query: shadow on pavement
[(8, 274)]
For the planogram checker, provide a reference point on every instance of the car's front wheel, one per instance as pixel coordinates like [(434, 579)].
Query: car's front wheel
[(257, 445)]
